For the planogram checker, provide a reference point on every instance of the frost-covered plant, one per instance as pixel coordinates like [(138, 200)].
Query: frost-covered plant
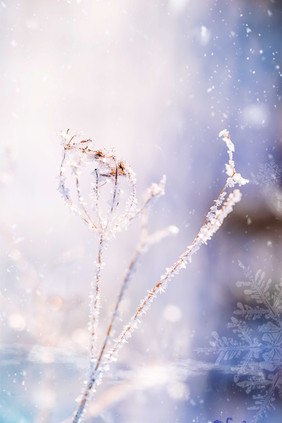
[(104, 207)]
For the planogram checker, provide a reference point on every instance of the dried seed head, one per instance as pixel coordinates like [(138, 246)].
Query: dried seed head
[(101, 187)]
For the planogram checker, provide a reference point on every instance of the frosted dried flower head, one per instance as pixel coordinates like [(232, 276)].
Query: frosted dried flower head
[(101, 187)]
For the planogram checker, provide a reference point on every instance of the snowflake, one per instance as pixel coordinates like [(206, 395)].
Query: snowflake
[(255, 350), (268, 174)]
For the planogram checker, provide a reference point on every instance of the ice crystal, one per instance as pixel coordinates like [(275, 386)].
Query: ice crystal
[(254, 352), (268, 174)]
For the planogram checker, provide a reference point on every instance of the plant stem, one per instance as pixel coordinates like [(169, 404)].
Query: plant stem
[(93, 323)]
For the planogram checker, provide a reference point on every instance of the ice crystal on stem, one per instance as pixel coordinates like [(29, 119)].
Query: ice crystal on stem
[(101, 205)]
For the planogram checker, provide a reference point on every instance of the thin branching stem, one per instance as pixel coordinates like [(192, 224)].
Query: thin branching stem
[(95, 300), (123, 288), (129, 273), (93, 323), (87, 220), (114, 199), (97, 197), (124, 285), (142, 246), (80, 200)]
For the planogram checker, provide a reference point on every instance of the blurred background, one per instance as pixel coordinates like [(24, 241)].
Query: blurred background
[(157, 81)]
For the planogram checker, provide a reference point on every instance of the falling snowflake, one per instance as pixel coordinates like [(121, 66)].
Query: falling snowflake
[(254, 352)]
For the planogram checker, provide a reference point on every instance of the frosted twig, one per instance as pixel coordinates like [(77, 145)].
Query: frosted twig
[(97, 197), (80, 200), (143, 245), (94, 307), (213, 221), (151, 193), (145, 242), (234, 177), (210, 226), (95, 300), (65, 193)]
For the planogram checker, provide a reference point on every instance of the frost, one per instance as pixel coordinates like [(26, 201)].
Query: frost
[(101, 217), (255, 349), (81, 157), (234, 177)]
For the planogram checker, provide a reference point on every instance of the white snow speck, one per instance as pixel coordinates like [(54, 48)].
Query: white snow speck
[(210, 89), (205, 35)]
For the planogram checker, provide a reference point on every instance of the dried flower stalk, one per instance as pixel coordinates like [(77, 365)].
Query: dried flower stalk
[(106, 218)]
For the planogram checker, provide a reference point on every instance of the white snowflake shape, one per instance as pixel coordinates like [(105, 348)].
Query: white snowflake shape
[(255, 351), (268, 174)]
